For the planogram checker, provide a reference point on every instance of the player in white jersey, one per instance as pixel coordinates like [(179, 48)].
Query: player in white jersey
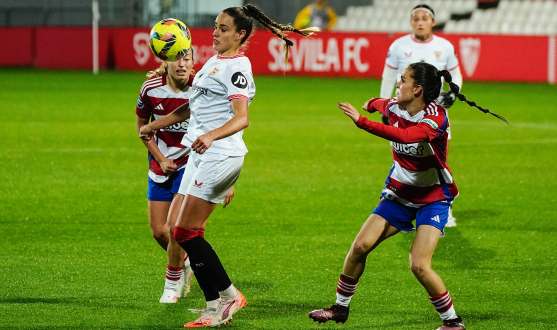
[(218, 112), (419, 186), (421, 46), (167, 88)]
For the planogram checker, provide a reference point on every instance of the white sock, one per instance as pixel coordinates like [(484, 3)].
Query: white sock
[(448, 315), (343, 300), (213, 305), (230, 293)]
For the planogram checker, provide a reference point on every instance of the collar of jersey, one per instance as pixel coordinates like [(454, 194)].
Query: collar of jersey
[(419, 41), (229, 57)]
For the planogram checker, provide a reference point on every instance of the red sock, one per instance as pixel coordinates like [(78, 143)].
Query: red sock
[(173, 274), (444, 306), (345, 290)]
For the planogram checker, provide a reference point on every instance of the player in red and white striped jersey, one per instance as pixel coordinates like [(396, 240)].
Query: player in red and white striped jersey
[(167, 88), (419, 186)]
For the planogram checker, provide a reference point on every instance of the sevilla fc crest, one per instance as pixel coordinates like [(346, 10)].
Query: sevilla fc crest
[(469, 54)]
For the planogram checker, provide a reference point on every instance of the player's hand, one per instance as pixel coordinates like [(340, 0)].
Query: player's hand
[(202, 143), (146, 133), (364, 107), (349, 110), (168, 167), (446, 99), (228, 197)]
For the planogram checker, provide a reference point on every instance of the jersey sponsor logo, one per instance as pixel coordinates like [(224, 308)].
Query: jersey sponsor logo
[(470, 53), (438, 54), (430, 123), (408, 150), (215, 70), (202, 90), (178, 127), (139, 103), (239, 80)]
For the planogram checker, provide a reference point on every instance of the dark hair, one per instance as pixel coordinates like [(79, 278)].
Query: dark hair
[(243, 20), (427, 76), (423, 5)]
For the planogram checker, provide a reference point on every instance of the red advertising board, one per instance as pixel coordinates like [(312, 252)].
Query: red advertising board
[(69, 47), (16, 47), (328, 54)]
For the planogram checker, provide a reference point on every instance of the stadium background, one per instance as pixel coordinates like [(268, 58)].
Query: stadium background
[(76, 251)]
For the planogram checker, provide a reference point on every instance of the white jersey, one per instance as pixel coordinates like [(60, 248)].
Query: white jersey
[(219, 81), (435, 51)]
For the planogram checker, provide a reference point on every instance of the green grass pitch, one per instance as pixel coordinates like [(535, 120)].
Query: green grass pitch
[(76, 250)]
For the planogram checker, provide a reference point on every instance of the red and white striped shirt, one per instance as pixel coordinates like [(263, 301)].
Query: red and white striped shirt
[(420, 174), (157, 99)]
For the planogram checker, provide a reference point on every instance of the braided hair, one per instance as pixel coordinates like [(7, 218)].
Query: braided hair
[(427, 76), (243, 20)]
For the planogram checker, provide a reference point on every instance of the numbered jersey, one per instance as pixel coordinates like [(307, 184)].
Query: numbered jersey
[(420, 174), (156, 100), (221, 80), (435, 51)]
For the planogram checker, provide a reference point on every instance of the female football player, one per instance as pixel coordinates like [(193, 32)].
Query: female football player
[(420, 186), (167, 88), (421, 46), (222, 92)]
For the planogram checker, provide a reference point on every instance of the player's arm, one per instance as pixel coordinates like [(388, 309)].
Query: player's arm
[(167, 165), (332, 18), (388, 80), (234, 125), (179, 114), (457, 76), (412, 134)]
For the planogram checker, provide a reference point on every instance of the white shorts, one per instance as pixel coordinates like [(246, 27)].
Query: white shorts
[(210, 176)]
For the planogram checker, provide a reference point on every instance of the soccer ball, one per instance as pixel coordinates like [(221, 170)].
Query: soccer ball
[(170, 39)]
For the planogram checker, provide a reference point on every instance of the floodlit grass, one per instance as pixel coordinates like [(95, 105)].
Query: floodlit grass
[(76, 250)]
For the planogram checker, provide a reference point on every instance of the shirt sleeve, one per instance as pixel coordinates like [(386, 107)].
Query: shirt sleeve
[(378, 104), (239, 83), (452, 61), (392, 57), (387, 82), (141, 109), (428, 129)]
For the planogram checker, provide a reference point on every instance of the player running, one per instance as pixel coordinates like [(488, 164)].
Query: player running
[(422, 46), (420, 186), (222, 92)]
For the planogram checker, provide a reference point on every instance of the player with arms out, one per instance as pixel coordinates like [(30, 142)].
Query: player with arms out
[(421, 46), (420, 186), (218, 112)]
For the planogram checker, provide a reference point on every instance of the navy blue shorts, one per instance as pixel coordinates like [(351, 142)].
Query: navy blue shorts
[(401, 217), (163, 192)]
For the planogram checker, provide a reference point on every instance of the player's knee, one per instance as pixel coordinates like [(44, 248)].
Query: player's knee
[(160, 233), (183, 235), (418, 267), (360, 248)]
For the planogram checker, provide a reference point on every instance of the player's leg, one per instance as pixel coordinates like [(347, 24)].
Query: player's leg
[(430, 221), (214, 176), (374, 231), (178, 271), (158, 211)]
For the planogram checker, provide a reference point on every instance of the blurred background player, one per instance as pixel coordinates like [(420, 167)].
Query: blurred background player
[(319, 14), (222, 92), (411, 191), (421, 46), (167, 88)]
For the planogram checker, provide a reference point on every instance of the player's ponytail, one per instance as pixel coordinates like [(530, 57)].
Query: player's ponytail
[(456, 90), (243, 20), (427, 76)]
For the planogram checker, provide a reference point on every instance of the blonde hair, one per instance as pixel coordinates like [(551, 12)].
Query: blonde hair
[(164, 68), (159, 71)]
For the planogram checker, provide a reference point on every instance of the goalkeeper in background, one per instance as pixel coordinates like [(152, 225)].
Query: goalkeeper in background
[(421, 46)]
